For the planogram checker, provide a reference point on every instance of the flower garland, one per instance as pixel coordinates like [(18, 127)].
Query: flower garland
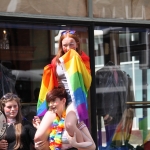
[(55, 137)]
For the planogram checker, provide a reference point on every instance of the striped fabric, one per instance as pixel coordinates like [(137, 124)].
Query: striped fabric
[(79, 81), (48, 83), (77, 71)]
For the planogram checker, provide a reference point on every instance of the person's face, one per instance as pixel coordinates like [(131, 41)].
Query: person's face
[(57, 106), (11, 109), (68, 43)]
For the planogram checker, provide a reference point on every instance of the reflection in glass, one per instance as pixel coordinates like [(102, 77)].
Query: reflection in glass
[(122, 71)]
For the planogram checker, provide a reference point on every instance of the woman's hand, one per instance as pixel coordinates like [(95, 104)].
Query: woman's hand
[(36, 121), (42, 145), (73, 142), (3, 145), (39, 145)]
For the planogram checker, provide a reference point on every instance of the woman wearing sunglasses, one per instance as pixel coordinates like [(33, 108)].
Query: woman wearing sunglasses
[(19, 133), (58, 137), (69, 40)]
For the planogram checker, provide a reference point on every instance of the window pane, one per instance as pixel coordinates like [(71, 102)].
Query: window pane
[(122, 86), (24, 51)]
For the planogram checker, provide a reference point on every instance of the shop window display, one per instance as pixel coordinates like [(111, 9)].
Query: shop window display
[(122, 91)]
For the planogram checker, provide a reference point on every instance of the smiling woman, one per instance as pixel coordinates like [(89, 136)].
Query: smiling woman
[(54, 127), (20, 133)]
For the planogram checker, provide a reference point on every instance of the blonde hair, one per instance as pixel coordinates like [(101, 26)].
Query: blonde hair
[(18, 125)]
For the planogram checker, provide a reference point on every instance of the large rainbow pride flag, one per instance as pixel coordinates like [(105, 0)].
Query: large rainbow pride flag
[(77, 71), (79, 81)]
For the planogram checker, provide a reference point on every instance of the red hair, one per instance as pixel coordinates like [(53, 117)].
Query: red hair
[(75, 36)]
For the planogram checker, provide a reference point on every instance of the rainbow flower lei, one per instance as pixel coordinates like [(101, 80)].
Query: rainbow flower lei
[(55, 137)]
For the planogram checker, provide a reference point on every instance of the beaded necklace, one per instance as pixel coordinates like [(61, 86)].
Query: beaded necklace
[(55, 137)]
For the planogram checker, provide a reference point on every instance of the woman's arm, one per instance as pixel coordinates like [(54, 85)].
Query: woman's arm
[(87, 137), (43, 130), (88, 143)]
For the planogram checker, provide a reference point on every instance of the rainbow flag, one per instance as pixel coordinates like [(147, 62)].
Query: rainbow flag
[(79, 81), (123, 129), (78, 70), (48, 83)]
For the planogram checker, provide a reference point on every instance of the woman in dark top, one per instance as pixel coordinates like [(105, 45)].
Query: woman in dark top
[(20, 132)]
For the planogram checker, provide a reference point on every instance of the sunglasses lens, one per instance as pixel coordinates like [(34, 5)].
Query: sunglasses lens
[(72, 32), (68, 31), (9, 96), (64, 32)]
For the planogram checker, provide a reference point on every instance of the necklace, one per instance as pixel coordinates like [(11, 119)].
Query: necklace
[(11, 121), (55, 137)]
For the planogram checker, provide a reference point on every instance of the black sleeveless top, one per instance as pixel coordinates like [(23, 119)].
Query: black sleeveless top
[(27, 135)]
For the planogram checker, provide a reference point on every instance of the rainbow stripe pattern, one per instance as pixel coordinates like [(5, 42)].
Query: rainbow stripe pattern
[(77, 71), (124, 128), (79, 81), (48, 83), (57, 128)]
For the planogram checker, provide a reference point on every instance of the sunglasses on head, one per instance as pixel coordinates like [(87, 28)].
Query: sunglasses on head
[(68, 31), (9, 96)]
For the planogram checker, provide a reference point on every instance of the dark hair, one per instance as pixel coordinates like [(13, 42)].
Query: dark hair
[(57, 92), (75, 36)]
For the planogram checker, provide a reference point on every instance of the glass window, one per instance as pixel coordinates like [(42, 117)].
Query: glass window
[(24, 51), (122, 68)]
